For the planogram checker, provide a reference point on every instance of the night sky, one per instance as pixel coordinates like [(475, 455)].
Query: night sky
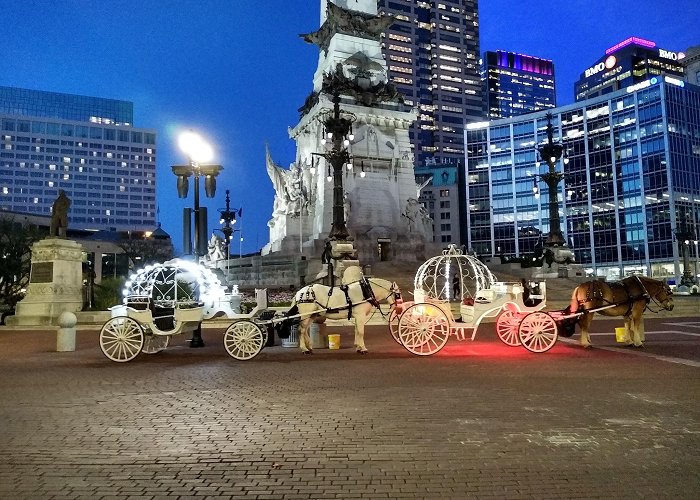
[(236, 71)]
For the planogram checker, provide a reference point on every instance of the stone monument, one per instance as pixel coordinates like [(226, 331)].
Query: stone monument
[(56, 277), (379, 185)]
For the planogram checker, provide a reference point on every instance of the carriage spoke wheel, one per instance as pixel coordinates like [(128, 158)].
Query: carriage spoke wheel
[(243, 340), (507, 327), (538, 332), (394, 325), (423, 329), (121, 339), (154, 344)]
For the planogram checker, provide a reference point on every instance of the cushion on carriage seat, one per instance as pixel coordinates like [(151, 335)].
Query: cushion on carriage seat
[(486, 295), (267, 315)]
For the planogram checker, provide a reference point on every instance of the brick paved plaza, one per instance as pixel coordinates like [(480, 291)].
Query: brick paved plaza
[(478, 420)]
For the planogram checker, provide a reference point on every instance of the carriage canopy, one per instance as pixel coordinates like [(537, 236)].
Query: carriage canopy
[(452, 276), (176, 281)]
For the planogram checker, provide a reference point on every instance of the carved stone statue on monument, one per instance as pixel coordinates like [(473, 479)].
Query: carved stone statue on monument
[(412, 214), (59, 215), (291, 197), (216, 249)]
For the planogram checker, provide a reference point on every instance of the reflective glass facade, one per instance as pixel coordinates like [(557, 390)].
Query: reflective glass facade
[(516, 84), (629, 62), (38, 103), (432, 52), (107, 171), (631, 192)]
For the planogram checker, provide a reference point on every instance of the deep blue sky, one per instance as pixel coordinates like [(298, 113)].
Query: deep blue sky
[(237, 72)]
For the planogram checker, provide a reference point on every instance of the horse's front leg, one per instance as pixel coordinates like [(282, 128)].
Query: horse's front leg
[(584, 323), (304, 339), (635, 320), (360, 336), (628, 331)]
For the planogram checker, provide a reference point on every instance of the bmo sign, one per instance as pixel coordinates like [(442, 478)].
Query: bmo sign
[(609, 63), (667, 54)]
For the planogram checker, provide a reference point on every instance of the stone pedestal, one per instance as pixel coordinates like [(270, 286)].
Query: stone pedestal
[(55, 283)]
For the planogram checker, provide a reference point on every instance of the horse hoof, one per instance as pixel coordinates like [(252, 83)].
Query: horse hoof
[(360, 351), (308, 352), (638, 345)]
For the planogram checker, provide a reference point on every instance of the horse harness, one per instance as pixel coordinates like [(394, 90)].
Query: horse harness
[(367, 294), (595, 292)]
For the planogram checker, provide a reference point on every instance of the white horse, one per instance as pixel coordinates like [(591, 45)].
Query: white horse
[(316, 303)]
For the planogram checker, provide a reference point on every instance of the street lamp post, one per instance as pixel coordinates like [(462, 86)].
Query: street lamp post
[(695, 242), (198, 153), (684, 234), (338, 130), (228, 219), (551, 153)]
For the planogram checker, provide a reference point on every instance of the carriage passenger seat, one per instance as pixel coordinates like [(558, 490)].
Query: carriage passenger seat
[(485, 296)]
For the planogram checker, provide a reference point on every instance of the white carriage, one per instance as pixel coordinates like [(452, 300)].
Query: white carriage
[(172, 298), (454, 293)]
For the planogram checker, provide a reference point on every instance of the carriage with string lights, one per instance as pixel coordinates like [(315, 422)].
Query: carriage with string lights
[(455, 292), (172, 298)]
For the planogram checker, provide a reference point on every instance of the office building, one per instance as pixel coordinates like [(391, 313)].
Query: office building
[(515, 84), (630, 198), (629, 62), (432, 54), (691, 65), (440, 196), (85, 146)]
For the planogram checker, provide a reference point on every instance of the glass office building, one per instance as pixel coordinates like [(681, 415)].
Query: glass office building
[(629, 62), (516, 84), (432, 53), (84, 146), (630, 198)]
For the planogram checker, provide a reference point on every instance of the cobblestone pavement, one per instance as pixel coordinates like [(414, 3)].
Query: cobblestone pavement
[(479, 420)]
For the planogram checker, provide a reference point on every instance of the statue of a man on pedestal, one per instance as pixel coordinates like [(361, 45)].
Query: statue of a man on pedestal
[(59, 215)]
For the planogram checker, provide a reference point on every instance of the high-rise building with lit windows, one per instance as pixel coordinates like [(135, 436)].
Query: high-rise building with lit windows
[(515, 84), (432, 52), (83, 145), (631, 61), (630, 197)]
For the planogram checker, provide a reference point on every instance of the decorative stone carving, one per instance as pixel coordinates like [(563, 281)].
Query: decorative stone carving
[(347, 22)]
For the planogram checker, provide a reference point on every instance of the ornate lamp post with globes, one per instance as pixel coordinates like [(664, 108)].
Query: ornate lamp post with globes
[(337, 126), (550, 153)]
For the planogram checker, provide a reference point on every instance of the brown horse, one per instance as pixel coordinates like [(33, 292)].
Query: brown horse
[(628, 297)]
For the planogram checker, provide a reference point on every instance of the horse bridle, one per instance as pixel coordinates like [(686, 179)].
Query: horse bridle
[(650, 298), (393, 290)]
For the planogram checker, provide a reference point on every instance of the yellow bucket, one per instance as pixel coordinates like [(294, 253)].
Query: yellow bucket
[(621, 335), (334, 341)]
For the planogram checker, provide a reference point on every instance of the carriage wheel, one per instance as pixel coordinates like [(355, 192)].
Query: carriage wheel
[(243, 340), (394, 325), (154, 344), (538, 332), (423, 329), (394, 316), (507, 327), (121, 339)]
